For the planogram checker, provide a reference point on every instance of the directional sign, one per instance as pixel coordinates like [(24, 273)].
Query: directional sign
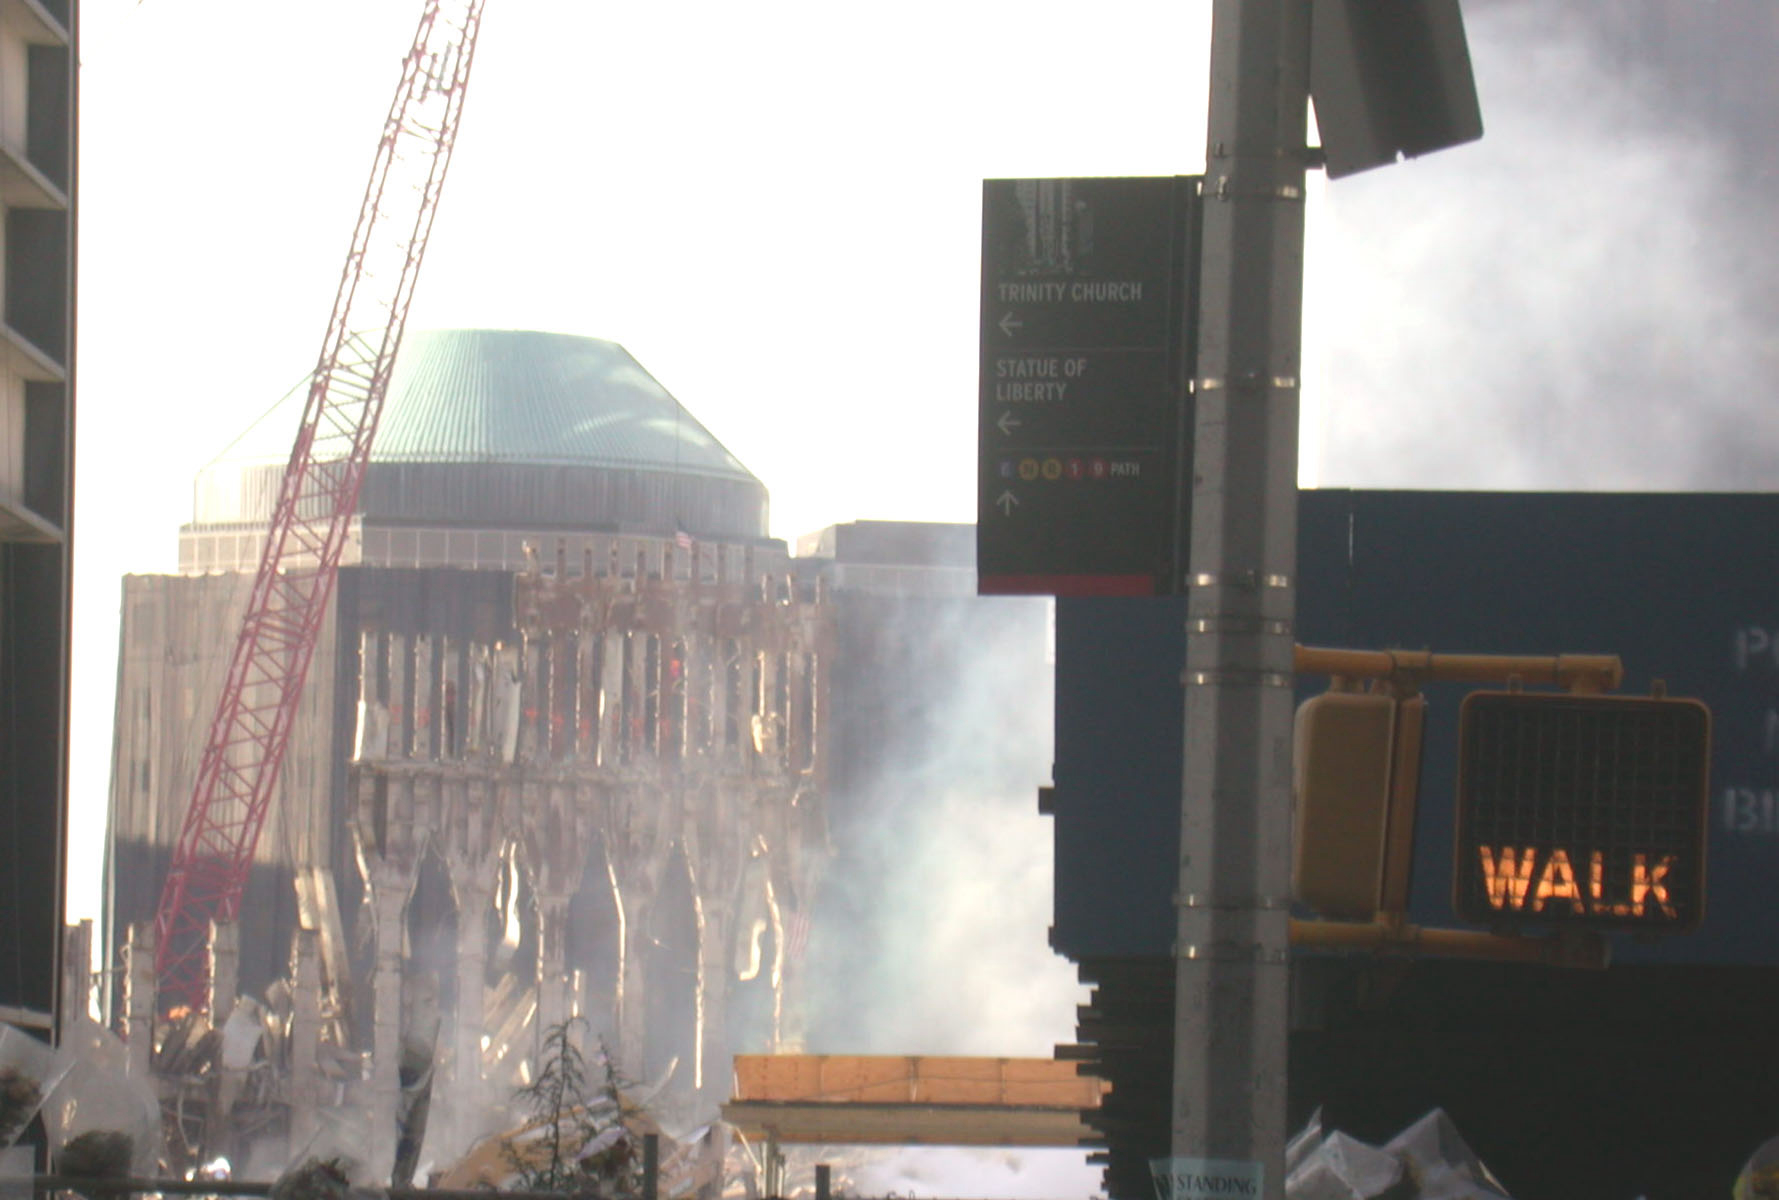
[(1083, 422)]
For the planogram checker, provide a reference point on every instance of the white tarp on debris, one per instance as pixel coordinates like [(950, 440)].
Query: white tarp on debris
[(1345, 1168), (1427, 1161)]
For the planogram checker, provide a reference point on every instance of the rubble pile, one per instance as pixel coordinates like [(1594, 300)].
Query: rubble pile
[(314, 1179), (605, 1145), (586, 1134)]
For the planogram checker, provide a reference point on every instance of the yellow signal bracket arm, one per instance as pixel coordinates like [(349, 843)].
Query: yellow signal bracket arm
[(1586, 673), (1390, 934)]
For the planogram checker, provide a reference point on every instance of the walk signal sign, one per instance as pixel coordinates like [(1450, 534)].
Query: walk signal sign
[(1575, 809), (1582, 811)]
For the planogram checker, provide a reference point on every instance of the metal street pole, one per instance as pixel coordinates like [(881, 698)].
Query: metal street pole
[(1235, 831)]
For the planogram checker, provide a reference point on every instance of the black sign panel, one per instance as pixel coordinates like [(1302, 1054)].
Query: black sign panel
[(1581, 811), (1085, 350)]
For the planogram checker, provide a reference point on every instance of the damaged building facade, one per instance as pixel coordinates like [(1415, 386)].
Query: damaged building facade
[(561, 753)]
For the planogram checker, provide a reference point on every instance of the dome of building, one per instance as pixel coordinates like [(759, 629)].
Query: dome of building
[(497, 429)]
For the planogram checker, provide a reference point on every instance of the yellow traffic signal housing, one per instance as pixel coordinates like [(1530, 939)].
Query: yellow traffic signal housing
[(1355, 763), (1582, 811)]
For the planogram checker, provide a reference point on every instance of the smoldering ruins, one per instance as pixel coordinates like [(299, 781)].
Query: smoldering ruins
[(564, 752)]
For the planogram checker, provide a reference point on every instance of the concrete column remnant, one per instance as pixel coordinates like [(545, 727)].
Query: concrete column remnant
[(553, 971), (373, 712), (474, 895), (142, 998), (472, 843), (633, 979), (389, 890), (401, 717), (586, 702), (534, 740), (476, 715), (77, 973), (225, 968), (425, 701), (305, 1041), (714, 933), (611, 689), (557, 834)]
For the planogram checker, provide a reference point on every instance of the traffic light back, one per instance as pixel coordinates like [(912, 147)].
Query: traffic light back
[(1344, 747)]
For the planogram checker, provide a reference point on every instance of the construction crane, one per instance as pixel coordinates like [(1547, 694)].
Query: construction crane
[(297, 569)]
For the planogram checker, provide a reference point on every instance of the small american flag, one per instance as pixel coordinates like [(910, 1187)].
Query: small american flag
[(796, 934), (682, 539)]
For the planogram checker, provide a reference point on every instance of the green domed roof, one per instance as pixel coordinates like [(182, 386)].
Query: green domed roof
[(522, 397)]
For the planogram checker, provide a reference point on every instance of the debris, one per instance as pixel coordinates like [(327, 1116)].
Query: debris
[(217, 1168), (1427, 1161), (101, 1123), (19, 1099), (1345, 1168), (28, 1069), (313, 1179), (340, 1145), (1759, 1179), (1442, 1163), (1303, 1142), (98, 1154), (585, 1136), (241, 1035)]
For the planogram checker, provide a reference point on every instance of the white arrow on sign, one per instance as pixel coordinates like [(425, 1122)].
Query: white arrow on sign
[(1007, 502), (1009, 323), (1008, 423)]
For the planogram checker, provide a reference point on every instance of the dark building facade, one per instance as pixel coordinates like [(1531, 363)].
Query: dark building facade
[(1549, 1072), (38, 90)]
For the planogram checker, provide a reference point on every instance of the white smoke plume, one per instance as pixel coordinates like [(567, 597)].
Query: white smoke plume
[(1585, 298), (933, 937), (944, 866)]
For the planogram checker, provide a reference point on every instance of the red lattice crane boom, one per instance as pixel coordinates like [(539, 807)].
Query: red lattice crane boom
[(297, 569)]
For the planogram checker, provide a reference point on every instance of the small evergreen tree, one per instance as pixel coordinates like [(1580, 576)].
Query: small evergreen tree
[(571, 1111)]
